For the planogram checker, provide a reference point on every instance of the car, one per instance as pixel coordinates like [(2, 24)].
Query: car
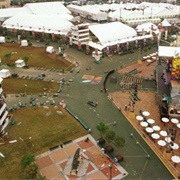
[(92, 103)]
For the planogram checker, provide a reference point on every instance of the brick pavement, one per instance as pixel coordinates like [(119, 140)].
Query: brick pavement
[(94, 164)]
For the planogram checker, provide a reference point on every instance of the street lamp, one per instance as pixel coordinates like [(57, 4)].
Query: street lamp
[(110, 168), (25, 88)]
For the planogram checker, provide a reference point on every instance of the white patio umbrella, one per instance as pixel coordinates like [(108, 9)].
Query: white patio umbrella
[(155, 136), (174, 120), (168, 139), (178, 125), (146, 113), (149, 130), (144, 124), (175, 146), (139, 118), (151, 121), (175, 159), (156, 128), (164, 119), (163, 133), (162, 142)]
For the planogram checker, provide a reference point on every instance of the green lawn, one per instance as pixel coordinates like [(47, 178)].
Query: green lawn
[(40, 129), (37, 56), (16, 85)]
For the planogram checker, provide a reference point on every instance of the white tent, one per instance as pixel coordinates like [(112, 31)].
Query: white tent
[(20, 63), (168, 51), (47, 8), (165, 23), (146, 27), (50, 49), (57, 24), (114, 31), (24, 43), (2, 39), (5, 73)]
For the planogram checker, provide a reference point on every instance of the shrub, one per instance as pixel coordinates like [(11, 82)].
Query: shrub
[(27, 160), (8, 55), (31, 171)]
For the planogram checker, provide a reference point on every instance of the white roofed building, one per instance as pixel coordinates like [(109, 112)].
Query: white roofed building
[(47, 8), (112, 32), (56, 24)]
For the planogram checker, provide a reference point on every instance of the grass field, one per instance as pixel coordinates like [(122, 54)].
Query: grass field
[(16, 86), (37, 56), (40, 129)]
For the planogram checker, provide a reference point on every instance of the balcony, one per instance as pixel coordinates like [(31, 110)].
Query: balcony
[(2, 108), (3, 117), (5, 124), (80, 34)]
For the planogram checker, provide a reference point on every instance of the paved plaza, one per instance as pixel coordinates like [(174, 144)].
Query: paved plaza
[(94, 164)]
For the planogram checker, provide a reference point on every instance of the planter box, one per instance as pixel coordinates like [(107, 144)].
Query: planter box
[(101, 140), (109, 149), (119, 158)]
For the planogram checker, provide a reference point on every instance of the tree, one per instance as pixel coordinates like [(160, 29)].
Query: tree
[(102, 128), (7, 56), (119, 141), (25, 58), (110, 135)]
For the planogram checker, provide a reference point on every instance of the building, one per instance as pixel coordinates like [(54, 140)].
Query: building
[(4, 119), (80, 34), (4, 4)]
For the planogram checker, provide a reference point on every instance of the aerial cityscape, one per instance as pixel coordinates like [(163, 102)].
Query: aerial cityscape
[(90, 89)]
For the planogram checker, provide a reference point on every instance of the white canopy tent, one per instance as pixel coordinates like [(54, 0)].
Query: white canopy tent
[(50, 49), (165, 23), (146, 27), (47, 8), (90, 11), (112, 32), (39, 23), (5, 73), (168, 51), (2, 39), (20, 63), (24, 43)]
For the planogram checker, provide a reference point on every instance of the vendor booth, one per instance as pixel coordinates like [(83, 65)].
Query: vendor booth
[(20, 63), (24, 43), (5, 73), (2, 39), (50, 49)]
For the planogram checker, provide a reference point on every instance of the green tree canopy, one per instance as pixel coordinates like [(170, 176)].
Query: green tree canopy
[(102, 128), (110, 135), (119, 141)]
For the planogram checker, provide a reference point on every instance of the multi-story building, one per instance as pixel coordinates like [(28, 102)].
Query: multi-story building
[(80, 34), (4, 119), (4, 3)]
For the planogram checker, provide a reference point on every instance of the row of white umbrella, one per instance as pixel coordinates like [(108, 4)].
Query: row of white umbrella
[(173, 120), (152, 130), (152, 121)]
